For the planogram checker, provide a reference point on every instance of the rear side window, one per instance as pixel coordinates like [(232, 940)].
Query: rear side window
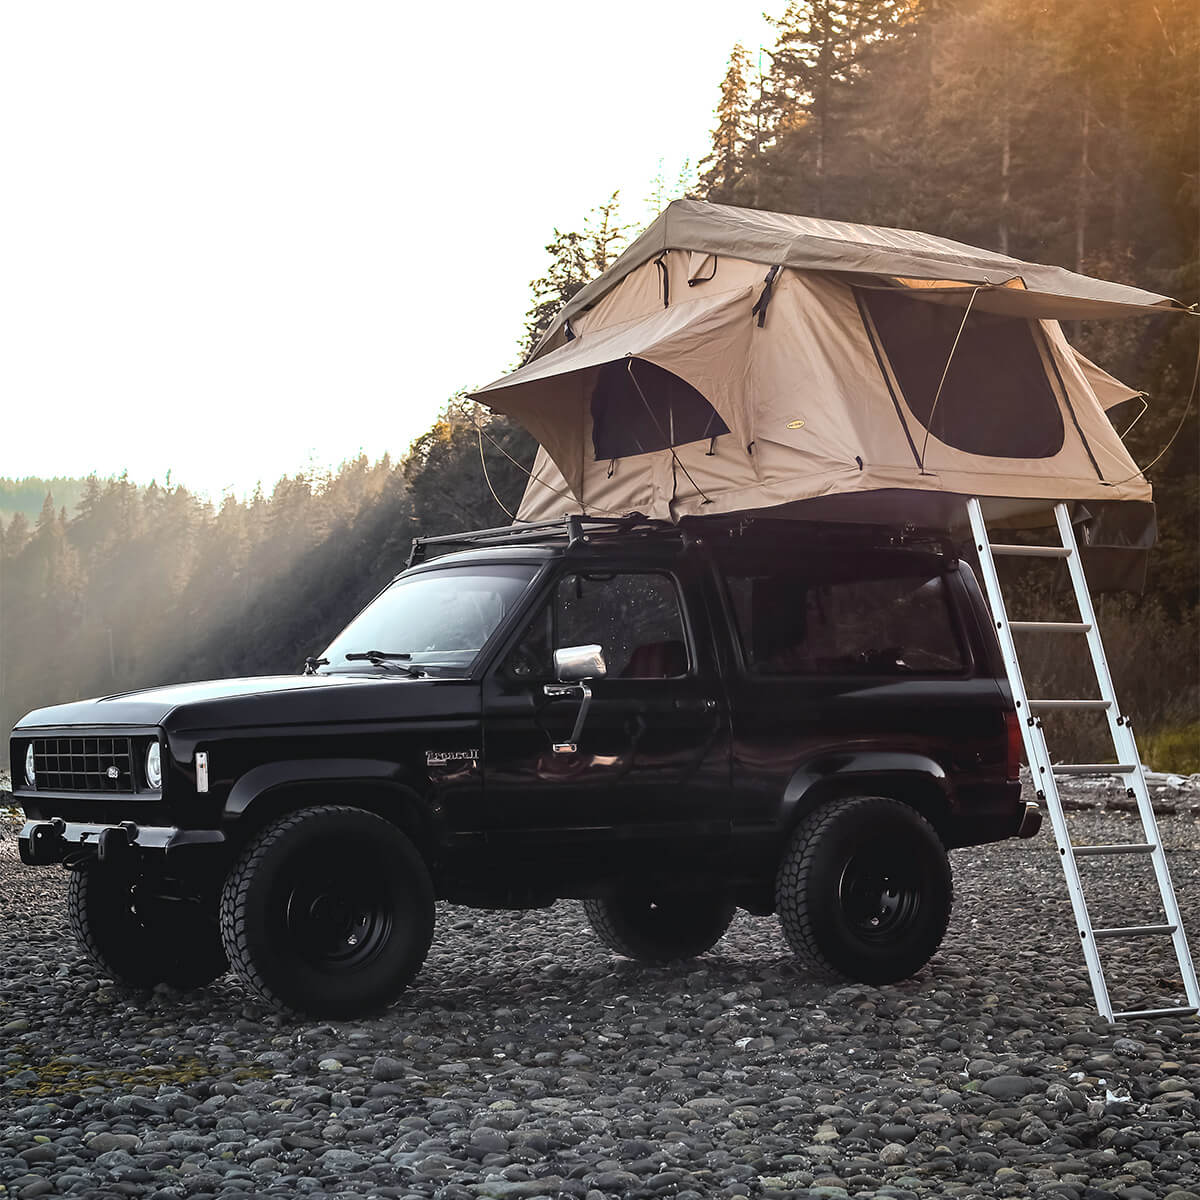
[(816, 621)]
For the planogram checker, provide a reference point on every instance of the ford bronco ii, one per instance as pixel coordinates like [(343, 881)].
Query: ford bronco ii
[(667, 723)]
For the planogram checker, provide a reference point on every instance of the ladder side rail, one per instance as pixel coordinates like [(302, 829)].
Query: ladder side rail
[(1038, 756), (1127, 752)]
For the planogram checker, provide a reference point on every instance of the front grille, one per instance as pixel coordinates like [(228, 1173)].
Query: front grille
[(83, 764)]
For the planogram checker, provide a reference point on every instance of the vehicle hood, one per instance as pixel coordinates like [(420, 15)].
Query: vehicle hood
[(266, 699)]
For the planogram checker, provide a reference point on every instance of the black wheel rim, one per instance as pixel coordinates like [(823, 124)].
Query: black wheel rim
[(339, 918), (879, 895)]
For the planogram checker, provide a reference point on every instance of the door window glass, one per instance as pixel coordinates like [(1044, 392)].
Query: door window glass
[(813, 622), (634, 617)]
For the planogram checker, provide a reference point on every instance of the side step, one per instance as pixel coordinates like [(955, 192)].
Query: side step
[(1186, 1011), (1032, 551), (1050, 626), (1134, 931), (1115, 848)]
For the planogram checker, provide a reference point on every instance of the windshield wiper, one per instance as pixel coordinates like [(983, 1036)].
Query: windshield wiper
[(390, 658)]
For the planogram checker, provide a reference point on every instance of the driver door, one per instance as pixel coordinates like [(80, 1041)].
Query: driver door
[(647, 779)]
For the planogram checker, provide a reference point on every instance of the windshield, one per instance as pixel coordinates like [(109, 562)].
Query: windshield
[(438, 619)]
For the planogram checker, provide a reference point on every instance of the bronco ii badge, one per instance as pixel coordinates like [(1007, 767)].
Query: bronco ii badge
[(440, 758)]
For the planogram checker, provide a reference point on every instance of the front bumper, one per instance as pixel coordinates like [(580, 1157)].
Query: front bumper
[(56, 840)]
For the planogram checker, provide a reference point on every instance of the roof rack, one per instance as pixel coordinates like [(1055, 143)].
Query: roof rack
[(574, 527), (577, 529)]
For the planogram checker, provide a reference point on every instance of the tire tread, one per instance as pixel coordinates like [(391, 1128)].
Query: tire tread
[(791, 890)]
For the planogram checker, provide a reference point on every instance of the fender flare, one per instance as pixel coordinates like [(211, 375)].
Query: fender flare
[(841, 773), (250, 798)]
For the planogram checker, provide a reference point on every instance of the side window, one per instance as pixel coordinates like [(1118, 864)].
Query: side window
[(634, 617), (813, 623)]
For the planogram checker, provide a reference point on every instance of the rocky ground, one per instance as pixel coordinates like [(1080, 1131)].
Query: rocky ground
[(528, 1061)]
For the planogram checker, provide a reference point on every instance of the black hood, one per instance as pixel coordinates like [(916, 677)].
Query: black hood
[(267, 699)]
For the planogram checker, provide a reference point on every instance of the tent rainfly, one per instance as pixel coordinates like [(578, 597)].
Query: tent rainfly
[(733, 360)]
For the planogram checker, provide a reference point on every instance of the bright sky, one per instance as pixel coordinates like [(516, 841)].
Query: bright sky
[(243, 238)]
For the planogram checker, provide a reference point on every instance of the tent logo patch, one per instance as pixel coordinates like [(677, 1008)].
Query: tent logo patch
[(798, 423)]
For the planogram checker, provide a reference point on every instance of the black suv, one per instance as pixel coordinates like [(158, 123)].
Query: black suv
[(666, 722)]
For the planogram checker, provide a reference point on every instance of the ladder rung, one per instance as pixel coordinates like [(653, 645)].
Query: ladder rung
[(1052, 705), (1033, 551), (1093, 768), (1133, 931), (1184, 1011), (1115, 848), (1050, 626)]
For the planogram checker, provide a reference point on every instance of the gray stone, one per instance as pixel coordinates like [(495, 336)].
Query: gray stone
[(388, 1069), (102, 1143), (1009, 1087), (342, 1160)]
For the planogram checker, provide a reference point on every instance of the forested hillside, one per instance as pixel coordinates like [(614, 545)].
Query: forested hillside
[(27, 495), (1058, 130)]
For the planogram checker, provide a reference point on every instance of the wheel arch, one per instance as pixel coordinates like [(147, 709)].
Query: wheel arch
[(269, 792), (914, 779)]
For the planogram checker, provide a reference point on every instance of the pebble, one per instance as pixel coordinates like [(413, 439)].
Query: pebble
[(527, 1060)]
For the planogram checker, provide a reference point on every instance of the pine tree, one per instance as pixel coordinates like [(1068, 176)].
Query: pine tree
[(721, 171), (816, 60), (576, 258)]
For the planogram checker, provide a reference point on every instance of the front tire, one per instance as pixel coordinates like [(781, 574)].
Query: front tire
[(139, 939), (863, 891), (659, 929), (328, 912)]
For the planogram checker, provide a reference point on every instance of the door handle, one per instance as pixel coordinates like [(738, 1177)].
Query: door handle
[(694, 704)]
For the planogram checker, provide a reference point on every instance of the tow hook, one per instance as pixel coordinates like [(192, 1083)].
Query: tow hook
[(115, 844), (46, 843)]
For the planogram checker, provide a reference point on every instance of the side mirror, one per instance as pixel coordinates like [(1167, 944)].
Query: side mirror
[(580, 662)]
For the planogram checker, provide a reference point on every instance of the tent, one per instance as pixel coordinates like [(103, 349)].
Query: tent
[(733, 360)]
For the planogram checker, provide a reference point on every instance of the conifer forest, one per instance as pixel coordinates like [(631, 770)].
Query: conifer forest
[(1062, 131)]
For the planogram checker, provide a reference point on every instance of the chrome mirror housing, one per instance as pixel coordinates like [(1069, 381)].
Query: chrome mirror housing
[(580, 662)]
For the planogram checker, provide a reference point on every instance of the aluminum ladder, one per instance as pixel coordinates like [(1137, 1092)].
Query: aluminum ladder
[(1045, 773)]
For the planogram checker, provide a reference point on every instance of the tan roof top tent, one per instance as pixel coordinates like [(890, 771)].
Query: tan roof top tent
[(733, 360)]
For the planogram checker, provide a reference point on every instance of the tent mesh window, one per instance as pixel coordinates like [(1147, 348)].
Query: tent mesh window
[(672, 412), (996, 400)]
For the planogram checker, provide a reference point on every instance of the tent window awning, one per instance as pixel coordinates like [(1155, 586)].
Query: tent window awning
[(996, 399), (638, 406)]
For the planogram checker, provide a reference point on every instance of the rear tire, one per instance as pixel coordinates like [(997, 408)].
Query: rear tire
[(139, 939), (328, 912), (659, 929), (863, 891)]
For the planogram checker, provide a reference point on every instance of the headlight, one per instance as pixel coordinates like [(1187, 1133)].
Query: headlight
[(154, 766), (30, 772)]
